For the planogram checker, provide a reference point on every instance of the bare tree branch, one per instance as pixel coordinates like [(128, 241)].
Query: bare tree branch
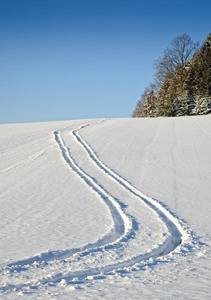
[(181, 50)]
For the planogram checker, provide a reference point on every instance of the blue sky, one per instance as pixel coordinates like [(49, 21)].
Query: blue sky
[(74, 59)]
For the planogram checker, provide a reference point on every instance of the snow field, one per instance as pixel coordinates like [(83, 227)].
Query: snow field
[(83, 216)]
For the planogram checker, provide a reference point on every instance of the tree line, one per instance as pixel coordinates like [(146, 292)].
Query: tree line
[(182, 81)]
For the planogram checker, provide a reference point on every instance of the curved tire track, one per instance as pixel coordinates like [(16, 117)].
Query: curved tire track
[(122, 224), (170, 221)]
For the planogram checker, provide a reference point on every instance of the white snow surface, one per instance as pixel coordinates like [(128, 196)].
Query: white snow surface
[(106, 209)]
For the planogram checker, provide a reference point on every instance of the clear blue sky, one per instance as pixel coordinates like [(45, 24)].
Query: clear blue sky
[(74, 59)]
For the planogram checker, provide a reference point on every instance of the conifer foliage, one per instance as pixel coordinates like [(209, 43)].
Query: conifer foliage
[(182, 81)]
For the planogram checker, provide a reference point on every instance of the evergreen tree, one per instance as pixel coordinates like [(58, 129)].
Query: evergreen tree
[(197, 87), (139, 111), (150, 104), (185, 83)]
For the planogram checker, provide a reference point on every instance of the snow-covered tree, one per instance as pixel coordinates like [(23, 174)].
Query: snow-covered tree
[(150, 104), (185, 81), (139, 109), (197, 87)]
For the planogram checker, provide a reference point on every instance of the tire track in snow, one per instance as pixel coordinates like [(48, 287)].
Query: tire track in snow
[(122, 225), (123, 229), (170, 221)]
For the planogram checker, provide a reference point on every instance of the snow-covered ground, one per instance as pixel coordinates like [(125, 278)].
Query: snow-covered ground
[(106, 209)]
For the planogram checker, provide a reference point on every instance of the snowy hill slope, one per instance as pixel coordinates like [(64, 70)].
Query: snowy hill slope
[(115, 209)]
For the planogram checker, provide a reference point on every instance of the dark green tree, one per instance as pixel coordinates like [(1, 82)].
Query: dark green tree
[(197, 86), (184, 81)]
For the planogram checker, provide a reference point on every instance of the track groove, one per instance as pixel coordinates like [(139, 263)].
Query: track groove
[(123, 225), (171, 222)]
